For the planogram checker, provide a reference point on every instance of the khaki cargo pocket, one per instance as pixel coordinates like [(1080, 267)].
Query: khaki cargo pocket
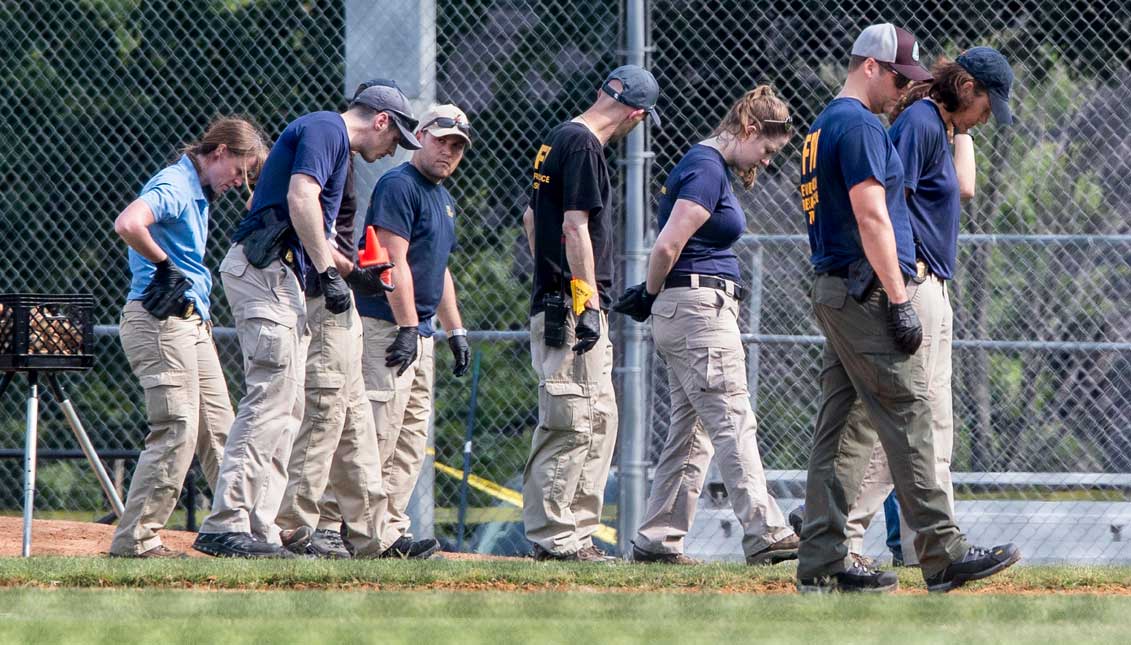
[(564, 406), (380, 396), (664, 308), (717, 369), (234, 264), (324, 394), (166, 397), (265, 334)]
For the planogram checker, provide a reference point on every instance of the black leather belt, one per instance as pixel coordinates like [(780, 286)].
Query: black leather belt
[(731, 288), (841, 272)]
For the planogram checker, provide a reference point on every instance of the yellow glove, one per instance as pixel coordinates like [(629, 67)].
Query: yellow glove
[(581, 292)]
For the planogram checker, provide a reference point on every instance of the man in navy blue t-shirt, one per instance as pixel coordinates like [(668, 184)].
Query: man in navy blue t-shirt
[(414, 218), (286, 231), (852, 190)]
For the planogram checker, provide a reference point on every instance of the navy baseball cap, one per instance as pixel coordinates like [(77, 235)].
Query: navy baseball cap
[(639, 89), (364, 85), (990, 68), (390, 99)]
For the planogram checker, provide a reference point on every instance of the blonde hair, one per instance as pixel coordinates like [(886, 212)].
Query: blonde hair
[(242, 138), (762, 108)]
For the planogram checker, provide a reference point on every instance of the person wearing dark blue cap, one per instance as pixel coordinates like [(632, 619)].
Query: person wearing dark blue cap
[(570, 230), (936, 181), (865, 296), (285, 232)]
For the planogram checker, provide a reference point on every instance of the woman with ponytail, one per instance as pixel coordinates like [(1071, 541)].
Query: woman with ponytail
[(692, 293), (166, 328)]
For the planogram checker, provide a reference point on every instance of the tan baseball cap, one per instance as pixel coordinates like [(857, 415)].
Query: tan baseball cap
[(442, 120)]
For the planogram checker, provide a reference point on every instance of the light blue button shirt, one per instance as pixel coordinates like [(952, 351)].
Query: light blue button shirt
[(178, 203)]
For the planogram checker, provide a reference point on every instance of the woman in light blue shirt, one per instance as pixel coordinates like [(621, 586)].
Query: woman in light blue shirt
[(166, 328)]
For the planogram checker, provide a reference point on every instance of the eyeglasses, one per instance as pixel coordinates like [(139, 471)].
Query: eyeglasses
[(901, 81), (785, 124), (445, 122)]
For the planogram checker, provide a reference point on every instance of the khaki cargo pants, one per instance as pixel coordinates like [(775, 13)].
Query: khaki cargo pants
[(696, 333), (937, 317), (861, 363), (401, 408), (563, 484), (336, 447), (270, 315), (189, 412)]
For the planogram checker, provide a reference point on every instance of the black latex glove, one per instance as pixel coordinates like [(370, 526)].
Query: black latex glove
[(402, 351), (461, 351), (335, 290), (905, 328), (588, 330), (636, 303), (368, 282), (165, 295)]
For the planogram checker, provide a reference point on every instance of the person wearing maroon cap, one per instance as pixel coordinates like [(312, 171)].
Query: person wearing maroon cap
[(936, 181), (865, 301)]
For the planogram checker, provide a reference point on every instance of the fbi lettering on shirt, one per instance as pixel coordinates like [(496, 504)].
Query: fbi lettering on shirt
[(809, 197), (540, 178)]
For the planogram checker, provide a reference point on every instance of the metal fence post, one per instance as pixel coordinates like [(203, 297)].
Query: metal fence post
[(633, 473)]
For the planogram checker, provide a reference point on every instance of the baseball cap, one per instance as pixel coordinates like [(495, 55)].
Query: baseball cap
[(893, 45), (639, 89), (990, 68), (390, 99), (364, 85), (442, 120)]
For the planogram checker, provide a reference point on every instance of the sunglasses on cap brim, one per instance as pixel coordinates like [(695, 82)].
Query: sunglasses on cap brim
[(785, 125), (445, 122)]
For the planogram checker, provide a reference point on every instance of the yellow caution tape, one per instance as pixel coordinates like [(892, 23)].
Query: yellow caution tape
[(604, 533), (581, 292)]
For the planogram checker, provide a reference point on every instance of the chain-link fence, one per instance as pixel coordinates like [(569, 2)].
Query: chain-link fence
[(97, 94)]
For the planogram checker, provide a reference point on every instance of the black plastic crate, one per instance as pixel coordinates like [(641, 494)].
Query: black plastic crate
[(46, 332)]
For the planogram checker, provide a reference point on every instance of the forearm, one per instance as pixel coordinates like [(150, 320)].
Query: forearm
[(306, 218), (878, 239), (528, 226), (402, 300), (660, 264), (579, 256), (448, 311), (341, 262), (964, 165)]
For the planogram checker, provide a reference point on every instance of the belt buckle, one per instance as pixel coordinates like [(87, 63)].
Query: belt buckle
[(920, 271)]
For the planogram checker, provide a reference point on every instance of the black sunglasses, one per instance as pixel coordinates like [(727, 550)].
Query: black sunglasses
[(448, 122), (901, 81)]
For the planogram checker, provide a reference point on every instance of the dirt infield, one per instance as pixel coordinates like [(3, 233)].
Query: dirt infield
[(79, 539)]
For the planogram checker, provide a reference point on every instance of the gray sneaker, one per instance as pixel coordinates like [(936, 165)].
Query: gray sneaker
[(780, 551), (305, 541)]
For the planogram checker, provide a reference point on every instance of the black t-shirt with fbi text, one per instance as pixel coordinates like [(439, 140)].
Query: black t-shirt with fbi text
[(570, 173)]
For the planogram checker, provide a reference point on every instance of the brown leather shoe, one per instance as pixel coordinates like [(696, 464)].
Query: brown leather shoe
[(158, 552), (586, 554), (648, 557), (780, 551)]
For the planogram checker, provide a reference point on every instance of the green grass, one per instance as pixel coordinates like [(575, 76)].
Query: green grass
[(439, 574), (278, 617)]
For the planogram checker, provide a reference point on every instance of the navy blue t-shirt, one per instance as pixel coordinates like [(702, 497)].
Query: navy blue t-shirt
[(703, 177), (919, 135), (846, 146), (407, 204), (316, 145)]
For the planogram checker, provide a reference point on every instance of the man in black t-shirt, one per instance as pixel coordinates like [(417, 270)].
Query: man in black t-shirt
[(569, 230)]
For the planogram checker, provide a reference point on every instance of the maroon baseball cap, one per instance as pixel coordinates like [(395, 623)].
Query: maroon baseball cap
[(893, 45)]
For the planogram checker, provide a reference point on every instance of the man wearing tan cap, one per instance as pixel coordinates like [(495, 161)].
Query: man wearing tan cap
[(414, 217)]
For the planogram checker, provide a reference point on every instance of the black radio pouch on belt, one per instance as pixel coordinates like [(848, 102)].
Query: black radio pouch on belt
[(265, 244), (557, 311), (861, 280)]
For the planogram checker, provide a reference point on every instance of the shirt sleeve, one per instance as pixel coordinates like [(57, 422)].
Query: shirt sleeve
[(167, 199), (581, 180), (318, 152), (393, 207), (702, 186), (914, 142), (863, 155)]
